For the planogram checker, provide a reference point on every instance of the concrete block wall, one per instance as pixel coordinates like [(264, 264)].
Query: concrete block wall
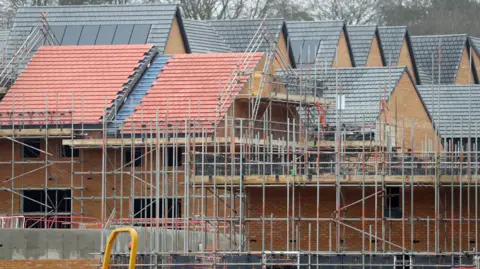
[(49, 264), (69, 244)]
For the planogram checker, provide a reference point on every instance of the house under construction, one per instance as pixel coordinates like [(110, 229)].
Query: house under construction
[(259, 155)]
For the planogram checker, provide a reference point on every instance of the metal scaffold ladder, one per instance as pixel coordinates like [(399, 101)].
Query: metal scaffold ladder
[(243, 65), (270, 57)]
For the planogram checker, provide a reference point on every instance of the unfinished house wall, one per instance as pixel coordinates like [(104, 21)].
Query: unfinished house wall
[(465, 72), (405, 59), (50, 264), (281, 62), (175, 42), (476, 61), (375, 55), (86, 179), (344, 54), (303, 210), (408, 113)]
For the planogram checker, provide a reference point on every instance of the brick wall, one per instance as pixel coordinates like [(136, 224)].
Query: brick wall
[(464, 73), (374, 56), (344, 59), (49, 264), (305, 206)]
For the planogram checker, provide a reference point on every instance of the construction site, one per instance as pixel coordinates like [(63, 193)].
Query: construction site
[(268, 156)]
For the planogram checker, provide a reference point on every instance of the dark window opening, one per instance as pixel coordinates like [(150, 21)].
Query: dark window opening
[(173, 160), (58, 201), (392, 203), (31, 149), (137, 158), (67, 151), (145, 208)]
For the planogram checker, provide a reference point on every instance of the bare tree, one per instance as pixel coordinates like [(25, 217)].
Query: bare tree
[(351, 11), (235, 9), (425, 17)]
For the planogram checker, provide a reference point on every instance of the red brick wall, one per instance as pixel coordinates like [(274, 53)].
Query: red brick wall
[(306, 207), (49, 264)]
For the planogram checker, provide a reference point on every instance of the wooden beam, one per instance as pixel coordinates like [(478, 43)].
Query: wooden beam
[(36, 132), (210, 140), (323, 179)]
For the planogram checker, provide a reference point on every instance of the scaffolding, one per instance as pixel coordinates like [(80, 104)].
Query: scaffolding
[(254, 191)]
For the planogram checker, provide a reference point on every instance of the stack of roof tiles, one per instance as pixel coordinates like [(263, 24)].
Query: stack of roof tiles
[(61, 80), (189, 87)]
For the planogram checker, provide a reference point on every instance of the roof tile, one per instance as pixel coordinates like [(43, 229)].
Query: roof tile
[(392, 38), (62, 79), (318, 38), (426, 48), (188, 88), (458, 105), (361, 37)]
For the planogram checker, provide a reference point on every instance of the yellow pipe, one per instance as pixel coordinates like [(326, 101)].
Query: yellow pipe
[(111, 240)]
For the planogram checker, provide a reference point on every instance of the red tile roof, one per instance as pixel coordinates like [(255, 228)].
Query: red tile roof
[(89, 76), (189, 87)]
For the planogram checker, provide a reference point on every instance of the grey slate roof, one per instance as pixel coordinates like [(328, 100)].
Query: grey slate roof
[(203, 38), (424, 47), (392, 38), (361, 37), (363, 89), (159, 16), (3, 43), (452, 119), (4, 35), (475, 42), (3, 38), (239, 33), (318, 38)]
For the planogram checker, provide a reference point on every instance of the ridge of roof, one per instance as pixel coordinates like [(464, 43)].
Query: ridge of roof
[(267, 19), (392, 26), (450, 35), (96, 6), (318, 22), (363, 25)]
